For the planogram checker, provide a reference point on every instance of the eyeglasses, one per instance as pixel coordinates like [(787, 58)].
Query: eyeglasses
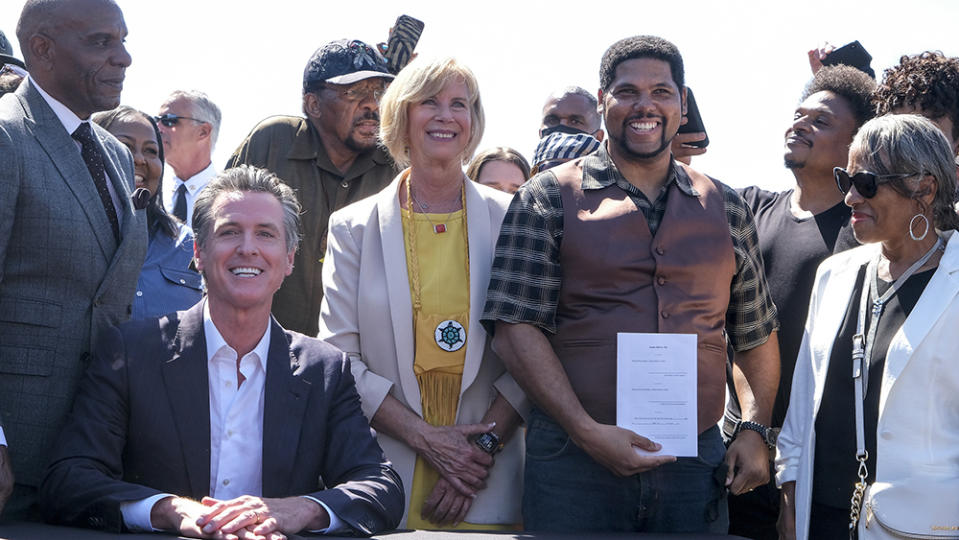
[(353, 95), (170, 119), (866, 183)]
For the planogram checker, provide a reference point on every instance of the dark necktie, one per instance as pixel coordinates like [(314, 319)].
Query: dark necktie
[(179, 206), (94, 160)]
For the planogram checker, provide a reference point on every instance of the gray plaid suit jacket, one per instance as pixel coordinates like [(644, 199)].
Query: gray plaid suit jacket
[(63, 278)]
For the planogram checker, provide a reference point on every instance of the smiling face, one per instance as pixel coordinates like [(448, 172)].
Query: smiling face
[(439, 127), (643, 108), (245, 258), (82, 60), (501, 175), (885, 216), (137, 134), (819, 137)]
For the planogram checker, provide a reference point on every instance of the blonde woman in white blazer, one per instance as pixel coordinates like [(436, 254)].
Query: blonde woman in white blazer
[(914, 390), (377, 308)]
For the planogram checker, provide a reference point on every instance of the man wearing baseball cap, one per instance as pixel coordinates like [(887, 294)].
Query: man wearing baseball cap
[(330, 158)]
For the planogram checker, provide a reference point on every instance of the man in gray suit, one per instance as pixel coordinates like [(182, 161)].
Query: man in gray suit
[(71, 244)]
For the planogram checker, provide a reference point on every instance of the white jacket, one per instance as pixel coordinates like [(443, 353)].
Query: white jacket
[(918, 427), (367, 312)]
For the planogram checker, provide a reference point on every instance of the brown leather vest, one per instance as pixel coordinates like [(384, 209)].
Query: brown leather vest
[(617, 277)]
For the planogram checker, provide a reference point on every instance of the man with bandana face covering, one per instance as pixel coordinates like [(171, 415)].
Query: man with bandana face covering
[(571, 110), (330, 158), (628, 240)]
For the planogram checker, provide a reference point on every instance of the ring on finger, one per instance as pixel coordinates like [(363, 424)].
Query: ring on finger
[(256, 517)]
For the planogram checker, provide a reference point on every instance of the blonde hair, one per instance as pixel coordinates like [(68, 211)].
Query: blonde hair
[(417, 81)]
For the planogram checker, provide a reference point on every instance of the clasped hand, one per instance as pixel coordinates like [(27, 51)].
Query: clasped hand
[(242, 518), (463, 468), (449, 451)]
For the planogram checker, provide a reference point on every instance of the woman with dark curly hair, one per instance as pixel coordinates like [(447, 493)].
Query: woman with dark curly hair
[(926, 84)]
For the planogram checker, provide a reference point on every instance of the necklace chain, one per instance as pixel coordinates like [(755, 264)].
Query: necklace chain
[(438, 228), (411, 253)]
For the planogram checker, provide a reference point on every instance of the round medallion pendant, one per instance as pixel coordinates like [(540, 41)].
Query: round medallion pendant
[(450, 335)]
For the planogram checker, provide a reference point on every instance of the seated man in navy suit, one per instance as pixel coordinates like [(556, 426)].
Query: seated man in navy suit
[(216, 422)]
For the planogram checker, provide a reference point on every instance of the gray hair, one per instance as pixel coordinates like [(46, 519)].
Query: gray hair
[(909, 143), (203, 109), (241, 179)]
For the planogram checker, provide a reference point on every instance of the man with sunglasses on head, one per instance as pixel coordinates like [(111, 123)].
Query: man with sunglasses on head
[(798, 228), (329, 157), (189, 123)]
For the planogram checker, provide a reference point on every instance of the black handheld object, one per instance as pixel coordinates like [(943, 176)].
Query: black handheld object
[(403, 38), (694, 123), (851, 54)]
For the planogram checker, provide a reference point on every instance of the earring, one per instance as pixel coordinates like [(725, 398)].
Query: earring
[(924, 231)]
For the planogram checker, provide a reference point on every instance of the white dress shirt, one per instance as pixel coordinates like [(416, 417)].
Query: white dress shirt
[(236, 414), (194, 185), (236, 427), (70, 123)]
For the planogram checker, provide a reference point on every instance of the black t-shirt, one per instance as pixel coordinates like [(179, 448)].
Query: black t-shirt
[(792, 249), (835, 467)]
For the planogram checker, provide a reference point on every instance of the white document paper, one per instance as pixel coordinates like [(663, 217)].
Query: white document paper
[(656, 388)]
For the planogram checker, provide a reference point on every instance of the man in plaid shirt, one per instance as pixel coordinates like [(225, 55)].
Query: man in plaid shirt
[(629, 240)]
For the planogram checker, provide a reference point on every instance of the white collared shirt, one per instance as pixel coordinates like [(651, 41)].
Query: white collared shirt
[(194, 185), (236, 414), (236, 427), (71, 122)]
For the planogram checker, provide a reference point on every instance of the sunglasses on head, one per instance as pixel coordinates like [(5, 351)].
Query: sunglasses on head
[(170, 119), (866, 183)]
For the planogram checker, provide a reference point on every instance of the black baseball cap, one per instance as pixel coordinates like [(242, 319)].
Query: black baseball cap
[(6, 52), (344, 61)]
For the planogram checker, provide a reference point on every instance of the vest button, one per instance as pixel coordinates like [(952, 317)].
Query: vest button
[(661, 280), (664, 313), (660, 250)]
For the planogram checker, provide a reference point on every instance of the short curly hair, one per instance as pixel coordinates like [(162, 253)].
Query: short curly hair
[(849, 83), (928, 82), (640, 47)]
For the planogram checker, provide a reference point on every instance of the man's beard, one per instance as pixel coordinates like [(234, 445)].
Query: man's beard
[(793, 165), (624, 146), (359, 146), (627, 151)]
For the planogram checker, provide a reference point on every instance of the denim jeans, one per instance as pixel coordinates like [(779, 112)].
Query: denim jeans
[(566, 490)]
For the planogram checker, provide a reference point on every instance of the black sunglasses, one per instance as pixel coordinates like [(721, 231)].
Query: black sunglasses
[(170, 119), (866, 183)]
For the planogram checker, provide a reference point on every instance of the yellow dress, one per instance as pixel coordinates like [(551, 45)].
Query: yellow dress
[(439, 269)]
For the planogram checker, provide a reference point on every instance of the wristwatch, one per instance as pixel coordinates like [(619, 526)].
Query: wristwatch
[(489, 442), (769, 435)]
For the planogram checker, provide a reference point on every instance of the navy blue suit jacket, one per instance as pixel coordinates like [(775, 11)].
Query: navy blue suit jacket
[(140, 426)]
